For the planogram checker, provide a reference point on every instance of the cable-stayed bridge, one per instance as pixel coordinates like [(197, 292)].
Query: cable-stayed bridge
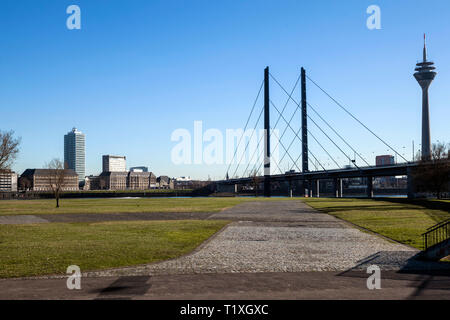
[(256, 165)]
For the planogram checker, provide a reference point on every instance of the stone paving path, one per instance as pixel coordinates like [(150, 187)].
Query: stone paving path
[(282, 236), (99, 217), (21, 219)]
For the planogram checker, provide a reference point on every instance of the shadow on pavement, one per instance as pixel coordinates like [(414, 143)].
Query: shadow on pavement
[(405, 266), (124, 288)]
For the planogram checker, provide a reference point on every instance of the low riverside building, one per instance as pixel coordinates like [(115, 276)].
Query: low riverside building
[(141, 180), (8, 181), (164, 182), (113, 180), (127, 181), (91, 183), (41, 179)]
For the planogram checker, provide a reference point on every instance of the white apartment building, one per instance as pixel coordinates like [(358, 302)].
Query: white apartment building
[(114, 163), (8, 181)]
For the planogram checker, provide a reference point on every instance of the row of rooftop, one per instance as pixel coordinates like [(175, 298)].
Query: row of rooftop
[(40, 180)]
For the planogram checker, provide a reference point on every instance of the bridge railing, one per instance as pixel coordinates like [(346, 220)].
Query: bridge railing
[(436, 234)]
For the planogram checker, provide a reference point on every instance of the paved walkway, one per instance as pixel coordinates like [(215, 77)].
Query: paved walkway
[(254, 286), (271, 250), (281, 236), (99, 217)]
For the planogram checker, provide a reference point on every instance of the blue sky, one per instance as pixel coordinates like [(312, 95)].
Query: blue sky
[(138, 70)]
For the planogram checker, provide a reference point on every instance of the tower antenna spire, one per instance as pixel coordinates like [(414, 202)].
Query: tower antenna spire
[(424, 47)]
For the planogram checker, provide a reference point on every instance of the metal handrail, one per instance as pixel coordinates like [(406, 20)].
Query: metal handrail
[(438, 224), (436, 234)]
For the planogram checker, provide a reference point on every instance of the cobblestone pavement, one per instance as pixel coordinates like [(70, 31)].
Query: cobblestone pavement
[(285, 236)]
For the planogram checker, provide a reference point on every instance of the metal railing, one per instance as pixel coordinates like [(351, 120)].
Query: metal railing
[(436, 234)]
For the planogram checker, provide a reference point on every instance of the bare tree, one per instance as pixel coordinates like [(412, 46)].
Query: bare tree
[(57, 175), (433, 175), (9, 148), (255, 180), (24, 183)]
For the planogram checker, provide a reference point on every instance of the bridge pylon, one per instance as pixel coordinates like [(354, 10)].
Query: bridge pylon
[(304, 123), (267, 190), (306, 184)]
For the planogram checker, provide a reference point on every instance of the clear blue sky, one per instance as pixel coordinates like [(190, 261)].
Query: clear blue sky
[(137, 70)]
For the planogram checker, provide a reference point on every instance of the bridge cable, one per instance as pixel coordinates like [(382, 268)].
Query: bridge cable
[(296, 135), (332, 141), (254, 166), (298, 132), (256, 163), (253, 155), (280, 114), (293, 140), (314, 164), (286, 151), (290, 98), (313, 109), (298, 105), (276, 123), (248, 142), (323, 148), (278, 119), (246, 124), (354, 117), (285, 129)]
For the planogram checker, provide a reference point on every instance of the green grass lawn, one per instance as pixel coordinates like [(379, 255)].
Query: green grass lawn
[(30, 250), (47, 206), (398, 219)]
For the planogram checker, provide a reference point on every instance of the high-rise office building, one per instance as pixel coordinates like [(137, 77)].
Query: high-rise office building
[(114, 163), (75, 152)]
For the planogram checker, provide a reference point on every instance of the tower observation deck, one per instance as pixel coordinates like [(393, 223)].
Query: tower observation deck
[(425, 75)]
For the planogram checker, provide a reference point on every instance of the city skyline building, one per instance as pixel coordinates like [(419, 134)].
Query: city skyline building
[(425, 75), (8, 181), (75, 152), (42, 180), (114, 163), (384, 160), (139, 169)]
